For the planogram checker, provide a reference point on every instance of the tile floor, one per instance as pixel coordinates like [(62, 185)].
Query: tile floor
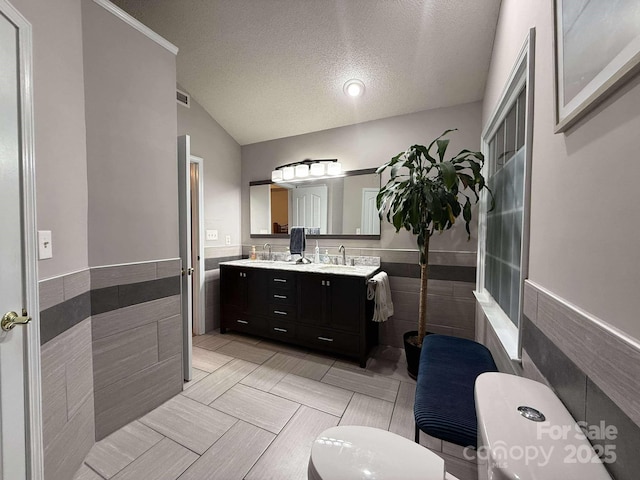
[(252, 411)]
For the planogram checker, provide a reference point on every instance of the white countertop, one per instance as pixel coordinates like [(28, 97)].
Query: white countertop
[(364, 271)]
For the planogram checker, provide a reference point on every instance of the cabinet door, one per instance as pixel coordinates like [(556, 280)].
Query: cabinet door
[(233, 285), (312, 292), (256, 293), (345, 297)]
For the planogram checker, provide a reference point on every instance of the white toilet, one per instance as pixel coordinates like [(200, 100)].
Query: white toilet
[(354, 453), (518, 425)]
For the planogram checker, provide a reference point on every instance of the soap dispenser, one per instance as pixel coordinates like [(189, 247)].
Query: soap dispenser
[(316, 258), (254, 255), (326, 258)]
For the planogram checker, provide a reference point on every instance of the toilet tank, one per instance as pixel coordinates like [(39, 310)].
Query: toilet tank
[(548, 444)]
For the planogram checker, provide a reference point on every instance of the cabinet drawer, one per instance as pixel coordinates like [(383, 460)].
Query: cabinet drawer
[(238, 321), (282, 297), (280, 329), (282, 281), (328, 339), (282, 311)]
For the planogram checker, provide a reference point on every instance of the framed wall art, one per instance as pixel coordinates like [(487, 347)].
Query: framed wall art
[(597, 48)]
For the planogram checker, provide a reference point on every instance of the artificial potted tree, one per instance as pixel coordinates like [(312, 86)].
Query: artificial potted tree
[(426, 193)]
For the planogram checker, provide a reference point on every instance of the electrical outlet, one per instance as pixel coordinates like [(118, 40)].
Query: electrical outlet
[(227, 240), (212, 234), (45, 248)]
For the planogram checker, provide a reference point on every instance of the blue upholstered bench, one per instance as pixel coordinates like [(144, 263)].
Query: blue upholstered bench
[(444, 405)]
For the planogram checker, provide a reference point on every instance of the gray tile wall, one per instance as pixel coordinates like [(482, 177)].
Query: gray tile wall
[(212, 300), (67, 373), (100, 372), (67, 400), (585, 400), (137, 349), (213, 257)]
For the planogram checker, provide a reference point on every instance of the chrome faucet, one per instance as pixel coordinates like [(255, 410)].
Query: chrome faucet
[(264, 247), (344, 254)]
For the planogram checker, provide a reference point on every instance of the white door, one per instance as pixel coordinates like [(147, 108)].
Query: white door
[(370, 218), (20, 431), (309, 207), (184, 206)]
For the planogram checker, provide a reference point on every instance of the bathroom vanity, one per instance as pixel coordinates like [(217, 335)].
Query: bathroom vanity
[(323, 307)]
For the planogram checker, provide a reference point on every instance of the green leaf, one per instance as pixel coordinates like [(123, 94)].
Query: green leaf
[(466, 211), (445, 132), (448, 174), (442, 148)]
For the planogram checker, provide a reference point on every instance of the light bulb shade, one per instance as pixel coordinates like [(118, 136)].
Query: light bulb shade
[(317, 169), (334, 168), (353, 87), (302, 171), (276, 176), (288, 173)]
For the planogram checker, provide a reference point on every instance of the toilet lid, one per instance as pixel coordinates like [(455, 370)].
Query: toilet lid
[(359, 453)]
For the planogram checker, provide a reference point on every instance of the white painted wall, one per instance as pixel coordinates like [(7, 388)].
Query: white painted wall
[(221, 154), (59, 117), (131, 142), (585, 220), (368, 145)]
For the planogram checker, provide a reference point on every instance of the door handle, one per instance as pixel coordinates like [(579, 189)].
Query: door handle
[(11, 319)]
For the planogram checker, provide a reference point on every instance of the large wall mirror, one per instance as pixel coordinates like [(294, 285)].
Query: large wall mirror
[(329, 207)]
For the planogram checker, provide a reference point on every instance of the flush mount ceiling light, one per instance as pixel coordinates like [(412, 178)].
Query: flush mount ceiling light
[(298, 171), (353, 88)]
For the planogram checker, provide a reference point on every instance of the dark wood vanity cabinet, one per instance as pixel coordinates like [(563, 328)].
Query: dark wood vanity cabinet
[(330, 300), (244, 299), (321, 311)]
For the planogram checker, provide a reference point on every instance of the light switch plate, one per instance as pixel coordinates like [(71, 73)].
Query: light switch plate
[(212, 234), (227, 240), (45, 248)]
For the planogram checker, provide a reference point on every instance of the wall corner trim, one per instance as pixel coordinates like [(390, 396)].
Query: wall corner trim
[(128, 19)]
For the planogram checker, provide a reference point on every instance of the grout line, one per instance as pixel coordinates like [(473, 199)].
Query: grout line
[(94, 470)]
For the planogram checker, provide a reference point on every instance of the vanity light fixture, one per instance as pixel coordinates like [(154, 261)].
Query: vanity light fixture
[(334, 169), (276, 176), (302, 170), (288, 173), (322, 168), (353, 88)]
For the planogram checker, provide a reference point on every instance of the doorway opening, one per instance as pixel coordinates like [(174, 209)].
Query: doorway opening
[(191, 228), (197, 245)]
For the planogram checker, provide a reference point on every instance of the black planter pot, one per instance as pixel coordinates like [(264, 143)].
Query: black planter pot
[(412, 353)]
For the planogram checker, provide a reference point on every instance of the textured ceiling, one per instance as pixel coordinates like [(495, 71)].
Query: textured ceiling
[(267, 69)]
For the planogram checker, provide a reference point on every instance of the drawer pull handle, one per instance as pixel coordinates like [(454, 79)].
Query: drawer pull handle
[(244, 322), (283, 330), (282, 280), (280, 296), (280, 312), (325, 339)]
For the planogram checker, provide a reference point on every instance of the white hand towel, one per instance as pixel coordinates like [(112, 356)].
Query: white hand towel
[(381, 294)]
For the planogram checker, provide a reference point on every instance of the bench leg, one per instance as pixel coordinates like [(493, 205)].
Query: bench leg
[(417, 436)]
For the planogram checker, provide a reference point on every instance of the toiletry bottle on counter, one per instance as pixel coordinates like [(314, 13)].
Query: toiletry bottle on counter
[(253, 252), (326, 258), (316, 258)]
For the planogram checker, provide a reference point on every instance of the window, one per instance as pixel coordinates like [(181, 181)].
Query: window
[(504, 238), (503, 252)]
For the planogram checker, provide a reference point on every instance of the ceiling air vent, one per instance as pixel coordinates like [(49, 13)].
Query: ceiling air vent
[(183, 99)]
